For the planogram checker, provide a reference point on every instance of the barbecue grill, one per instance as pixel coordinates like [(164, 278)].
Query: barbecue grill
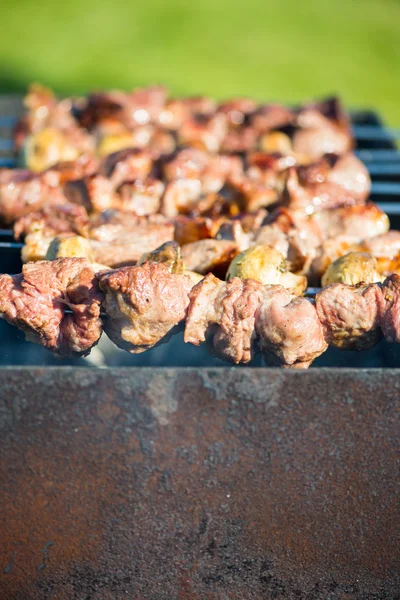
[(194, 479)]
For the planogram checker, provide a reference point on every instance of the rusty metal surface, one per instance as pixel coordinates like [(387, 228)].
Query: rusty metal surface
[(175, 484)]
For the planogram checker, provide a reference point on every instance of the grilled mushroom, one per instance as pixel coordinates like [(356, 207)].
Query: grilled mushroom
[(169, 254), (73, 246), (352, 268), (266, 265)]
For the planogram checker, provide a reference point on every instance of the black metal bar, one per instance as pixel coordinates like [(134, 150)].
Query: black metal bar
[(386, 168), (375, 132), (378, 155), (8, 162), (385, 188)]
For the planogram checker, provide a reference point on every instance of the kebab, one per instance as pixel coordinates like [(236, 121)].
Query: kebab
[(57, 303), (52, 131)]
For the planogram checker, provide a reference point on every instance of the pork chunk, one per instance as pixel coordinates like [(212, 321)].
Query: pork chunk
[(143, 304), (224, 315), (289, 331), (350, 315), (390, 308), (35, 301), (209, 255)]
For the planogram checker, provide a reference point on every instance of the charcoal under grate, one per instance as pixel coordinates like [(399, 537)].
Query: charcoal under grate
[(376, 146)]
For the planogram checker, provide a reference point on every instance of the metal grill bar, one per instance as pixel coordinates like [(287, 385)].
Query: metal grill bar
[(378, 155)]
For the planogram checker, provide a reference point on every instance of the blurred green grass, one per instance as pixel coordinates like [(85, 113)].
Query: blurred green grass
[(271, 49)]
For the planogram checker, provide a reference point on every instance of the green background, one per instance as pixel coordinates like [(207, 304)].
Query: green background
[(272, 49)]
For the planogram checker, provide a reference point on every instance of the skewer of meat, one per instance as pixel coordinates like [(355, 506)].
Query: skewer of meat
[(57, 303)]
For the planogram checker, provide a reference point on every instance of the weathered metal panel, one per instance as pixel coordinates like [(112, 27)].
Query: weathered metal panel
[(212, 484)]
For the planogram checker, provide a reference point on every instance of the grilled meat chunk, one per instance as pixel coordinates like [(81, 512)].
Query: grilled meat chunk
[(387, 244), (390, 308), (209, 255), (224, 314), (350, 315), (54, 220), (138, 107), (94, 192), (35, 302), (22, 192), (323, 128), (142, 197), (288, 329), (127, 165), (363, 221), (204, 132), (120, 239), (330, 183), (143, 304)]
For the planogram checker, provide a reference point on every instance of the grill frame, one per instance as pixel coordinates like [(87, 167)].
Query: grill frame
[(179, 484)]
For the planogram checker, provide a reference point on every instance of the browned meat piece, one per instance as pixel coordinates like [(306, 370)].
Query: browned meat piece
[(268, 235), (303, 236), (389, 308), (53, 220), (68, 171), (205, 256), (22, 192), (387, 244), (361, 221), (237, 110), (331, 182), (268, 168), (119, 238), (43, 110), (139, 107), (330, 108), (218, 170), (320, 133), (180, 196), (315, 196), (240, 140), (289, 331), (272, 116), (348, 172), (161, 144), (252, 221), (142, 197), (199, 105), (94, 192), (35, 302), (233, 231), (127, 165), (193, 229), (314, 143), (350, 315), (204, 132), (143, 304), (197, 177), (248, 195), (224, 314), (186, 163)]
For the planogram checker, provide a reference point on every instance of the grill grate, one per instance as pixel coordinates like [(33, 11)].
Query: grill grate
[(376, 146)]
